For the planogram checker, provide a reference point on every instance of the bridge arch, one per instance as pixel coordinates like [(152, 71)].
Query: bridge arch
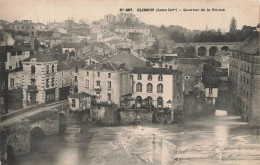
[(36, 132), (202, 51), (179, 50), (225, 48), (10, 154), (213, 50), (62, 123)]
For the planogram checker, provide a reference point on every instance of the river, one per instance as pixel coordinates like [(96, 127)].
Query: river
[(219, 138)]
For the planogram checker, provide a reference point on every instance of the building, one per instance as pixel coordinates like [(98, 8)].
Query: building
[(65, 80), (210, 80), (192, 73), (159, 87), (134, 32), (107, 82), (27, 26), (15, 78), (244, 79), (40, 80), (110, 18), (131, 60), (3, 82), (80, 101), (14, 55)]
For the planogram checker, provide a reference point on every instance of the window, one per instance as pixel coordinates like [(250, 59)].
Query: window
[(62, 74), (98, 74), (62, 83), (149, 88), (47, 83), (98, 83), (32, 69), (52, 81), (139, 87), (32, 82), (159, 88), (187, 77), (109, 96), (76, 78), (109, 85), (73, 103), (159, 102), (160, 78), (52, 68), (149, 101), (87, 73), (109, 75), (150, 77), (12, 82), (87, 83), (139, 77), (47, 69), (210, 90)]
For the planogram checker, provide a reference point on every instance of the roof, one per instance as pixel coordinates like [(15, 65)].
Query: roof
[(80, 95), (97, 57), (61, 66), (107, 66), (69, 45), (41, 57), (77, 64), (149, 70), (249, 46)]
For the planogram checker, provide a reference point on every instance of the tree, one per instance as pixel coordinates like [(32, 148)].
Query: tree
[(233, 26)]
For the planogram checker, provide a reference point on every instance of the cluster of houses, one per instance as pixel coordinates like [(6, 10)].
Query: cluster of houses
[(106, 67)]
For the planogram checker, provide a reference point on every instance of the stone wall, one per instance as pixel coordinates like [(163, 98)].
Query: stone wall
[(3, 147), (48, 121), (18, 136)]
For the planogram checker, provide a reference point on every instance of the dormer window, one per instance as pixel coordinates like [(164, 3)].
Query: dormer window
[(150, 77), (139, 77), (160, 78)]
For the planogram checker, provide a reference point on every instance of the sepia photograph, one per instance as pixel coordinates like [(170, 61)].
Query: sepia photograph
[(137, 82)]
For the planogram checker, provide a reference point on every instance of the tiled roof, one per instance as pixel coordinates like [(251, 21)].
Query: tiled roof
[(149, 70), (69, 45), (61, 66), (249, 46), (107, 66), (77, 64), (41, 57), (80, 95)]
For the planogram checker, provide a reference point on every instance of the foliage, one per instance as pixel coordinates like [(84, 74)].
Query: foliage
[(233, 25)]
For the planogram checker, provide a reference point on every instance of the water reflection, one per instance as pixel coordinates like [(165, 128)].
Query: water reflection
[(221, 113), (221, 137)]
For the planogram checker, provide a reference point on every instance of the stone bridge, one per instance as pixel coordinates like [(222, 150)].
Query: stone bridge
[(205, 48), (16, 133)]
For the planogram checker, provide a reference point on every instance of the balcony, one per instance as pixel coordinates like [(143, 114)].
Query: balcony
[(32, 88), (97, 89)]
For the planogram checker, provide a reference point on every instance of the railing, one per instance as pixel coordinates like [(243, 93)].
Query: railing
[(32, 88)]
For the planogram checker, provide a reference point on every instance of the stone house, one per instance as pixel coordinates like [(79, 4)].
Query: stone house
[(39, 79), (244, 79), (107, 82), (157, 87)]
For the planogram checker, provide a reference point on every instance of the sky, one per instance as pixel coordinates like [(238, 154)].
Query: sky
[(246, 12)]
